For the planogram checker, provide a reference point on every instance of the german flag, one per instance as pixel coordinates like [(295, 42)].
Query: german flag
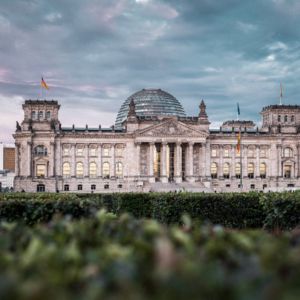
[(44, 84)]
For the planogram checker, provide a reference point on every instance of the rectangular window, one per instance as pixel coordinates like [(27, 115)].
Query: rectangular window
[(93, 152), (40, 170), (66, 187), (213, 152), (252, 186), (106, 186), (66, 151), (93, 187), (105, 152), (79, 151), (79, 187), (226, 152)]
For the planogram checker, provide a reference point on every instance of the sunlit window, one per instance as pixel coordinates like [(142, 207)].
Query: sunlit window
[(250, 152), (66, 169), (79, 169), (119, 151), (66, 150), (226, 170), (214, 170), (250, 170), (238, 170), (93, 169), (105, 170), (263, 170), (119, 169), (226, 152), (287, 171), (40, 170), (41, 115), (33, 115)]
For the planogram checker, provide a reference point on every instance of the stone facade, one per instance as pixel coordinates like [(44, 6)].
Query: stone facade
[(158, 153)]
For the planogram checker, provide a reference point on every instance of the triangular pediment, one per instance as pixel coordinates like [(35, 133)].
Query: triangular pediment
[(172, 128)]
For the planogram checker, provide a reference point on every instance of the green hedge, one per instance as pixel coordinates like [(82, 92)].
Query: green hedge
[(235, 210), (109, 257)]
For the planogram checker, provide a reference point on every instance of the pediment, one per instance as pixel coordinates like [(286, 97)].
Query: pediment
[(171, 128)]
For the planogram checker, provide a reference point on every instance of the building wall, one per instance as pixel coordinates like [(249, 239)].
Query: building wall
[(197, 152)]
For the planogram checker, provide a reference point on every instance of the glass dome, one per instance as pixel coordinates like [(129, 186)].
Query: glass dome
[(151, 102)]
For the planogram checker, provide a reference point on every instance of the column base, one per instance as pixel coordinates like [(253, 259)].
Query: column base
[(190, 179), (178, 179), (164, 179), (152, 179)]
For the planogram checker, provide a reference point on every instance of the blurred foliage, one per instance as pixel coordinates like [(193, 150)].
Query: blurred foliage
[(121, 257), (232, 210)]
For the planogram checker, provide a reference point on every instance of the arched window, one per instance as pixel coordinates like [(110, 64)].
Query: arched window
[(262, 170), (40, 150), (214, 170), (288, 152), (250, 170), (93, 169), (119, 169), (226, 170), (238, 170), (33, 115), (287, 171), (79, 169), (48, 115), (41, 115), (105, 170), (66, 170)]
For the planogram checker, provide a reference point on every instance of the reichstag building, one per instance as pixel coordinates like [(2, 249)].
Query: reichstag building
[(155, 146)]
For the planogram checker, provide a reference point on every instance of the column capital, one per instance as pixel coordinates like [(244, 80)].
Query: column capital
[(178, 143), (191, 143), (151, 143), (164, 143)]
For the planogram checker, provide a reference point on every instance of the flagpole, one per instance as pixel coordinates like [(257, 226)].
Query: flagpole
[(280, 94), (241, 160)]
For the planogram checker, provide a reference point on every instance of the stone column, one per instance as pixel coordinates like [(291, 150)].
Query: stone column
[(17, 160), (207, 159), (29, 159), (99, 160), (51, 171), (191, 177), (279, 166), (73, 160), (220, 165), (113, 161), (151, 162), (163, 175), (178, 163), (86, 165), (138, 159), (58, 160), (298, 161), (233, 161), (257, 170)]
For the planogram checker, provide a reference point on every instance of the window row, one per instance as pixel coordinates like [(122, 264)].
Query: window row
[(79, 169), (226, 170), (93, 151), (40, 115), (251, 152), (93, 187), (286, 118)]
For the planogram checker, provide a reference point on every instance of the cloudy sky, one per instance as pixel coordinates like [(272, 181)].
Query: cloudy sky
[(95, 53)]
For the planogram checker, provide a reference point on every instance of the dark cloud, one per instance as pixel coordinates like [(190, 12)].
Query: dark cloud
[(94, 54)]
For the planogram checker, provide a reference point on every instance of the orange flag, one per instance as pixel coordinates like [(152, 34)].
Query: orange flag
[(44, 84)]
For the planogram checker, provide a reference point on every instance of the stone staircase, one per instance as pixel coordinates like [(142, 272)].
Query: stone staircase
[(178, 187)]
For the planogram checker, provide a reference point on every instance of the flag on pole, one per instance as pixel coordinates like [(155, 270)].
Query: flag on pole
[(238, 109), (44, 84)]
